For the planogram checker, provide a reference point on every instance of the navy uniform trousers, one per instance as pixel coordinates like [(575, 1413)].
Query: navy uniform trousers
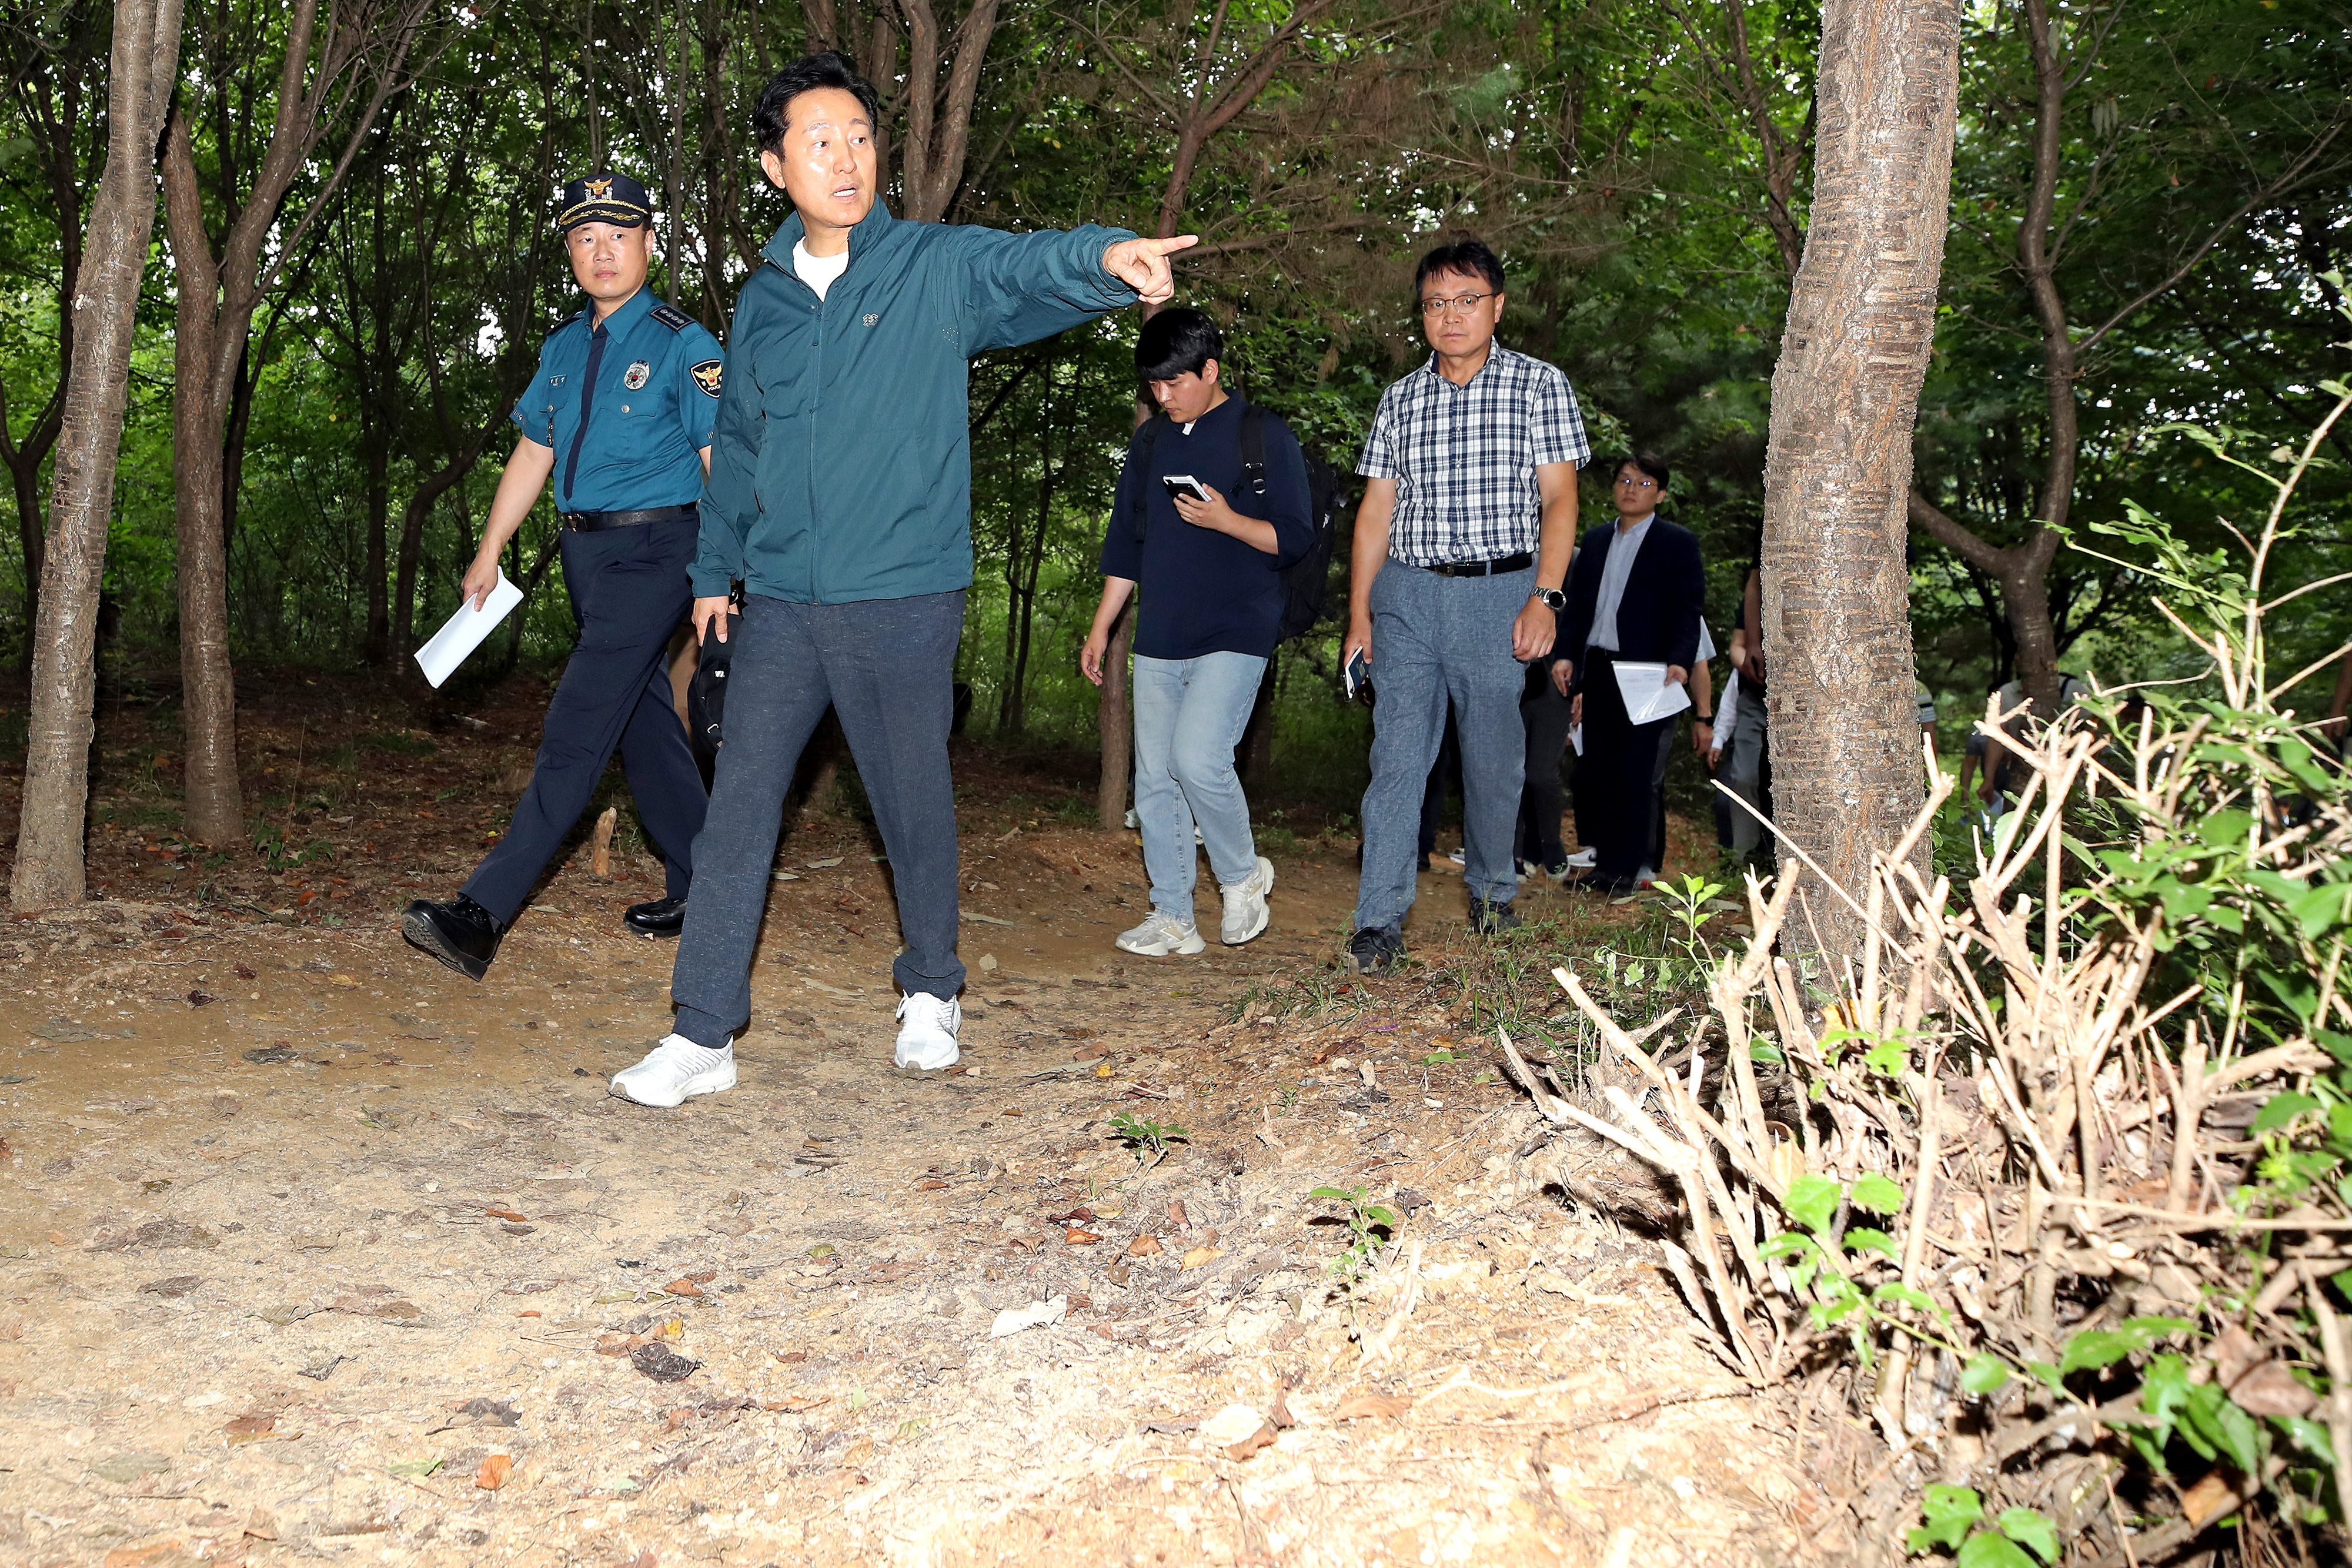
[(1620, 807), (629, 590)]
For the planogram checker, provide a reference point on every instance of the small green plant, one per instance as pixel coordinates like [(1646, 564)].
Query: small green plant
[(1957, 1524), (1370, 1227), (1145, 1138), (1286, 1102), (1440, 1057)]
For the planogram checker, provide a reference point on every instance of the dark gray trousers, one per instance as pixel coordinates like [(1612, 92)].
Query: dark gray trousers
[(887, 667)]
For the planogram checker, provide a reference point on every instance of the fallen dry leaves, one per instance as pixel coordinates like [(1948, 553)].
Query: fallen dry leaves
[(494, 1472), (1365, 1407)]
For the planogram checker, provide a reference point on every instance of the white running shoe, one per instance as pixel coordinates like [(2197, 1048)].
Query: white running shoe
[(927, 1031), (676, 1070), (1160, 935), (1245, 910)]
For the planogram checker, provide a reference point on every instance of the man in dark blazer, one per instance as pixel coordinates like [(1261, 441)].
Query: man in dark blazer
[(1634, 596)]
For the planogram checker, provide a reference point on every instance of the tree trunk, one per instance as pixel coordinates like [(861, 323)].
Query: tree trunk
[(220, 286), (214, 804), (1118, 723), (1862, 319), (145, 60)]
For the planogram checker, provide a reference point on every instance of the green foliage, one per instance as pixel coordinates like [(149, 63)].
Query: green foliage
[(1369, 1226), (1146, 1137)]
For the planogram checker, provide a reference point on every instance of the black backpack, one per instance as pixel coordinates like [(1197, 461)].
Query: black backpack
[(1307, 582)]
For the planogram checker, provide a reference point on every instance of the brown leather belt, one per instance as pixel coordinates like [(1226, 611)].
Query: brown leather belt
[(1495, 567), (595, 522)]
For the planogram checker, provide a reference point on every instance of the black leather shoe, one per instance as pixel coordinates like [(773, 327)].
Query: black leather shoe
[(460, 933), (1492, 919), (661, 917)]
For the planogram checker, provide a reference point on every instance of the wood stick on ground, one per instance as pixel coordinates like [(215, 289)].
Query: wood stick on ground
[(600, 855)]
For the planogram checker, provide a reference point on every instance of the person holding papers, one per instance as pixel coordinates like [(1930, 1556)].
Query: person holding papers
[(1624, 655), (620, 416)]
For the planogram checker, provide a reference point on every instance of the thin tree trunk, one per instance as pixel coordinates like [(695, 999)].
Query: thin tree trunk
[(50, 869), (1846, 769), (220, 286), (1118, 723)]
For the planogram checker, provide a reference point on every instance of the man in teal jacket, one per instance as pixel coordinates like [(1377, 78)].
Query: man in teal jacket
[(840, 496)]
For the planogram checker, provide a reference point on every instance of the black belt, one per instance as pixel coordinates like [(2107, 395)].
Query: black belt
[(594, 522), (1495, 567)]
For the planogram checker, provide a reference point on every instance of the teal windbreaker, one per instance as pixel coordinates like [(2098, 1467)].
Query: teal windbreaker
[(840, 465)]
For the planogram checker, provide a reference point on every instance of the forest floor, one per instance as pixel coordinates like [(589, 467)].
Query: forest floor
[(311, 1249)]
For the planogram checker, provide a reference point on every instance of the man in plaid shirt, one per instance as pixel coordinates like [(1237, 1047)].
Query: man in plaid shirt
[(1461, 545)]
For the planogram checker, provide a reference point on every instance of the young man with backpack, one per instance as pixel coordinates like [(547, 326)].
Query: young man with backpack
[(1214, 504)]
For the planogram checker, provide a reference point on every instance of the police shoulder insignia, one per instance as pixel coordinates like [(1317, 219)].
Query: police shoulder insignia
[(671, 317), (706, 376)]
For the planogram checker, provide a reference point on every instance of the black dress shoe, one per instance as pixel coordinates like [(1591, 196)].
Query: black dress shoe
[(661, 917), (460, 933)]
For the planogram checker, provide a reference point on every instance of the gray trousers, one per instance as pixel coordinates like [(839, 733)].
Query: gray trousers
[(887, 667), (1435, 638), (1742, 770)]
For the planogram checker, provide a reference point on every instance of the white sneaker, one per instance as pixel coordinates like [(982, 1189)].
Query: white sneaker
[(927, 1031), (1160, 935), (676, 1070), (1245, 910)]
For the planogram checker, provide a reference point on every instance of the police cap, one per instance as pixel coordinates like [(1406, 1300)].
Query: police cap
[(604, 199)]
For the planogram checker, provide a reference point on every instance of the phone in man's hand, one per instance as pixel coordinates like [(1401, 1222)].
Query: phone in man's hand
[(1358, 676), (1185, 485)]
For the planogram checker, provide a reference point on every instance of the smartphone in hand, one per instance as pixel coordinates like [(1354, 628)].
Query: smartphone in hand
[(1185, 485), (1358, 676)]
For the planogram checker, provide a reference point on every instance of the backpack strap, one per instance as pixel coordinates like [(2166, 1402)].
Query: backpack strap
[(1252, 435), (1147, 436)]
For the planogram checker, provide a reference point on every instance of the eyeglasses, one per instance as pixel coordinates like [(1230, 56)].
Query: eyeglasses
[(1638, 484), (1460, 305)]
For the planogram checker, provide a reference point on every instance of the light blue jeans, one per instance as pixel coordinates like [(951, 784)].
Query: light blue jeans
[(1189, 716)]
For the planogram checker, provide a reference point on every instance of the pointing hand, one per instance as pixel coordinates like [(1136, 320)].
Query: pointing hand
[(1142, 265)]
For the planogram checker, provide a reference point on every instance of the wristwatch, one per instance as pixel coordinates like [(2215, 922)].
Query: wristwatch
[(1554, 600)]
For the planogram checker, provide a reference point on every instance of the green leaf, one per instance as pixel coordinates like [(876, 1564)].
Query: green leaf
[(1877, 1194), (2105, 1347), (1992, 1552), (2309, 1436), (1813, 1201), (1788, 1244), (2281, 1109), (2215, 1427), (1984, 1373), (2027, 1528), (1949, 1511), (414, 1466), (1858, 1236), (1765, 1051), (2049, 1375), (1897, 1290)]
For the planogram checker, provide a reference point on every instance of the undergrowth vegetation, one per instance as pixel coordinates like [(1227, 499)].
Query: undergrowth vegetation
[(2052, 1185)]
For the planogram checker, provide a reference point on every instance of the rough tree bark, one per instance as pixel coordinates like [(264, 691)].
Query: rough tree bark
[(222, 282), (145, 60), (52, 96), (1846, 769)]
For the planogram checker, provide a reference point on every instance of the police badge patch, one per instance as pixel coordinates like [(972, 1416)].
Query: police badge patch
[(706, 376), (637, 374)]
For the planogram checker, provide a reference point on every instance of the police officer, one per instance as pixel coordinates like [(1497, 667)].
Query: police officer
[(620, 415)]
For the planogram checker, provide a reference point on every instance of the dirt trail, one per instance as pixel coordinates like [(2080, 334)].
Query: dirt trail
[(307, 1239)]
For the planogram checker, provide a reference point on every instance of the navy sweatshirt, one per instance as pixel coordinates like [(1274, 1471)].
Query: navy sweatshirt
[(1204, 592)]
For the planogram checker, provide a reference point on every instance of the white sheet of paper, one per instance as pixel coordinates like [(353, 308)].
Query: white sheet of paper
[(463, 632), (1649, 695), (1576, 738)]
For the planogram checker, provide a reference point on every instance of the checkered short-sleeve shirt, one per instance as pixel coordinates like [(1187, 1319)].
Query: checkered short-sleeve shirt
[(1464, 457)]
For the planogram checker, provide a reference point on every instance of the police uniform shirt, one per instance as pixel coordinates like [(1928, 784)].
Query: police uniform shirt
[(627, 407)]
